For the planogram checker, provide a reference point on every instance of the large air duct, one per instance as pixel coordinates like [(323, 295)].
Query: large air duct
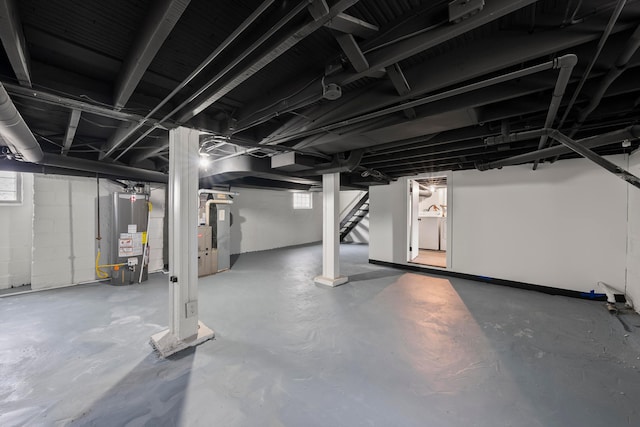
[(104, 168), (14, 131), (16, 134)]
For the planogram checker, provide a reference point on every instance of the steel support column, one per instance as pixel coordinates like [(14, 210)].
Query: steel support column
[(330, 232), (184, 328)]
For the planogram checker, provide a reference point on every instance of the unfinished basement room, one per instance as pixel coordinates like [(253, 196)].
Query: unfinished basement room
[(320, 213)]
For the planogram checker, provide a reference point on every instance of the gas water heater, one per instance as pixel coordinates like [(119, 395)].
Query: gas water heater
[(130, 225)]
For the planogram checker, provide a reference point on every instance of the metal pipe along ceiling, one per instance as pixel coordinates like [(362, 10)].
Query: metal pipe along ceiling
[(629, 133), (288, 43), (595, 158), (558, 92), (556, 63), (15, 132), (621, 64), (605, 35), (264, 6)]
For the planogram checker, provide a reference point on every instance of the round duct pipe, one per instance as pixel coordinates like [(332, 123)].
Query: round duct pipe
[(15, 132)]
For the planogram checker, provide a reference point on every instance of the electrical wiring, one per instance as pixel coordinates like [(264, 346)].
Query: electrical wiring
[(287, 97), (44, 138), (98, 124)]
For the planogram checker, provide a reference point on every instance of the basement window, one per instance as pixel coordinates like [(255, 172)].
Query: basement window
[(10, 188), (302, 201)]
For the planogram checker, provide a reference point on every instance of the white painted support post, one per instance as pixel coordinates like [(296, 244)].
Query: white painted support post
[(184, 328), (330, 232)]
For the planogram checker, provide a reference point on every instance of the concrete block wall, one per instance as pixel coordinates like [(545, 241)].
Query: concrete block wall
[(265, 219), (16, 230), (64, 225), (65, 229), (156, 228)]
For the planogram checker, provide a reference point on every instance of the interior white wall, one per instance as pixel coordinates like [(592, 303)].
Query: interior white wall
[(16, 229), (156, 228), (633, 252), (64, 231), (563, 225), (265, 219), (360, 233), (388, 222)]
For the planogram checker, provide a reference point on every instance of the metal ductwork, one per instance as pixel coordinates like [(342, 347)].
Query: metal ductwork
[(338, 165), (15, 133), (111, 169)]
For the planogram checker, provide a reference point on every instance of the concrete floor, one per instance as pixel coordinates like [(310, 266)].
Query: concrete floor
[(387, 349)]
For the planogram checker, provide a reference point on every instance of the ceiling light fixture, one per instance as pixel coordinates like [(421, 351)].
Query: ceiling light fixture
[(204, 161), (331, 91)]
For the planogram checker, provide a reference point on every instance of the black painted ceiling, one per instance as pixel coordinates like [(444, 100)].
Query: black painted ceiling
[(262, 94)]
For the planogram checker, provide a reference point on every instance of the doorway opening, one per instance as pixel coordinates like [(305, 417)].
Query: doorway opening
[(428, 221)]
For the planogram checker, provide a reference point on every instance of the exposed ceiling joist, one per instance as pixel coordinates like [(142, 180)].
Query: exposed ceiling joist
[(13, 42), (146, 153), (74, 119), (397, 78), (74, 104), (382, 58), (105, 65), (161, 20), (350, 47), (404, 49), (351, 25), (452, 68), (287, 43), (114, 144), (318, 9)]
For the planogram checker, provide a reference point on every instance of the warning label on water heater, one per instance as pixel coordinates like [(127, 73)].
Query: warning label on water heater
[(130, 244)]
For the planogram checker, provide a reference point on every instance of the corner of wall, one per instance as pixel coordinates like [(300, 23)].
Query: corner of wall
[(633, 234)]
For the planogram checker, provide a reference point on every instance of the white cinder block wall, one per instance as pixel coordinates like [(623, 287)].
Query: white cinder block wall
[(16, 230), (156, 228), (265, 219), (64, 226), (563, 225), (65, 229)]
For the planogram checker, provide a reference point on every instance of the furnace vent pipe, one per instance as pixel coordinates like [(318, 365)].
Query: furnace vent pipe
[(566, 64), (15, 132), (628, 133)]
